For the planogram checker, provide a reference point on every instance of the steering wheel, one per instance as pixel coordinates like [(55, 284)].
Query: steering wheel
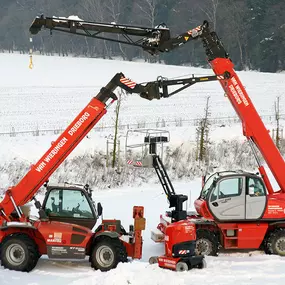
[(76, 209)]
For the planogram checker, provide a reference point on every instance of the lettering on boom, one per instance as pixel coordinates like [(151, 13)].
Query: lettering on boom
[(62, 142), (231, 87), (77, 125), (239, 92), (51, 154)]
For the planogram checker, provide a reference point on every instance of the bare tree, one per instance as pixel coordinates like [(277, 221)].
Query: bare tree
[(121, 95), (210, 10), (147, 10), (95, 9), (202, 132), (114, 9), (277, 120), (238, 25)]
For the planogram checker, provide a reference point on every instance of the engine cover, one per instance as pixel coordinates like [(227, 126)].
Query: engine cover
[(180, 237)]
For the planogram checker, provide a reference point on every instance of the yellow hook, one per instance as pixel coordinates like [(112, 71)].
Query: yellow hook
[(31, 65)]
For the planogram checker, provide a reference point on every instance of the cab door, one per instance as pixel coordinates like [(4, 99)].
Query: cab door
[(255, 198), (227, 199)]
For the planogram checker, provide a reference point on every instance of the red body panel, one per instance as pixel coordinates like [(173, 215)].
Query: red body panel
[(60, 234), (60, 149), (275, 207), (178, 232), (202, 209), (247, 235), (168, 262)]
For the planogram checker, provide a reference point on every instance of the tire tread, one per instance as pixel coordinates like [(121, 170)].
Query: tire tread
[(32, 252), (118, 248)]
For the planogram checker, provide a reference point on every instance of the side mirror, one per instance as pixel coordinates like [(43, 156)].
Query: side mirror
[(251, 190), (99, 209)]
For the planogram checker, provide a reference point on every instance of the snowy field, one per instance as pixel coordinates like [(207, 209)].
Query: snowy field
[(53, 93), (50, 95)]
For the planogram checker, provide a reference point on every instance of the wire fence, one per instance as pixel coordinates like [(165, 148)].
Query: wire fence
[(163, 123)]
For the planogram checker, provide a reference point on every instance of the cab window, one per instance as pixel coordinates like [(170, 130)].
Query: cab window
[(255, 187), (227, 188), (68, 203)]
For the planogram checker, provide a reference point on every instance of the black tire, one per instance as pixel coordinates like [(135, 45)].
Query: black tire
[(275, 243), (202, 265), (206, 243), (264, 245), (19, 252), (107, 253)]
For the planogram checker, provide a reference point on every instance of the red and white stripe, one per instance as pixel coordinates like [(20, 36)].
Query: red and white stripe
[(138, 163), (197, 29), (183, 251), (131, 84), (220, 77)]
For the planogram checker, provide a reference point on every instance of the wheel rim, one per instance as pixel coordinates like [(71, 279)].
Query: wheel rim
[(203, 247), (153, 260), (15, 254), (105, 256), (280, 246), (181, 266)]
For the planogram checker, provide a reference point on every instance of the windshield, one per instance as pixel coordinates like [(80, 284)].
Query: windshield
[(208, 185)]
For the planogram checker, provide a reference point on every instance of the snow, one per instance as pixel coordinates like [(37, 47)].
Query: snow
[(74, 17), (57, 88), (71, 17), (50, 95), (238, 269)]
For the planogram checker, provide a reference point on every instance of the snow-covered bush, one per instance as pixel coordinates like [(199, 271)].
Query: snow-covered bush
[(180, 163)]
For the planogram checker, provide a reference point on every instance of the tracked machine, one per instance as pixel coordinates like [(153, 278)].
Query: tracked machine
[(180, 243)]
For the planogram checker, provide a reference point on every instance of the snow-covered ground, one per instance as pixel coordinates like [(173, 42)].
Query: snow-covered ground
[(49, 97), (242, 268)]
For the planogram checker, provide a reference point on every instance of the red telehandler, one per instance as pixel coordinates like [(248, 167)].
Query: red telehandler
[(68, 213), (236, 209)]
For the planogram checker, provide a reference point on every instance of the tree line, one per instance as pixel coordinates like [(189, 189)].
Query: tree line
[(253, 31)]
